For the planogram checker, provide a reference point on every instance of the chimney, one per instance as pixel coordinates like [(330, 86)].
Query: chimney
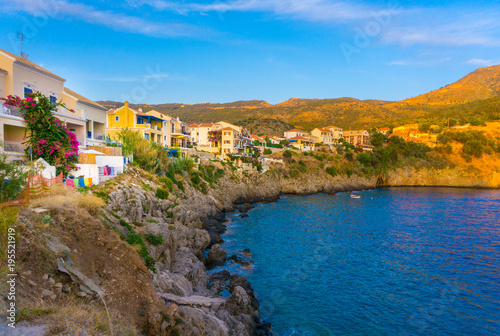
[(126, 104)]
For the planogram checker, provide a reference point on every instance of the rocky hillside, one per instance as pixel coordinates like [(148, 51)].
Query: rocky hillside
[(480, 84), (481, 87), (134, 260)]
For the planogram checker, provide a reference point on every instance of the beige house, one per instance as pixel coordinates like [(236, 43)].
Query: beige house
[(19, 76), (203, 134), (179, 136), (337, 132), (94, 113), (194, 133), (166, 127), (294, 133)]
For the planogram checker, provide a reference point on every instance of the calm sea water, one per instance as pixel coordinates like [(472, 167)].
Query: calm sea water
[(416, 261)]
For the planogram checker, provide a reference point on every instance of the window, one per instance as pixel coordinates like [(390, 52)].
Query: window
[(146, 136), (140, 121), (117, 118), (227, 133), (227, 142), (53, 99), (27, 91)]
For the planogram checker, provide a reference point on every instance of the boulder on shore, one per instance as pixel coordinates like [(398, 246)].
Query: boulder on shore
[(216, 256)]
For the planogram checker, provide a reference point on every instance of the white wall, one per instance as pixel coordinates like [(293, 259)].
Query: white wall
[(87, 170)]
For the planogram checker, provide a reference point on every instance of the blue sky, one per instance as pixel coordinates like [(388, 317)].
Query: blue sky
[(160, 51)]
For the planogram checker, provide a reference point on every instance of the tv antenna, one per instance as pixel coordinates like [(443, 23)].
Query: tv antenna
[(20, 36)]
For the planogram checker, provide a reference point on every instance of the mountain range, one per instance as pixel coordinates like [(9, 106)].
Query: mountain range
[(475, 95)]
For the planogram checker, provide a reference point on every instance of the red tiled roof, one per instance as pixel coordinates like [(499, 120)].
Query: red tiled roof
[(194, 125), (30, 64), (227, 129), (325, 130), (256, 137), (295, 130), (384, 129), (206, 125)]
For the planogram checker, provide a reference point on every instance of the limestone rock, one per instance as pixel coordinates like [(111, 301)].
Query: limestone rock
[(216, 256)]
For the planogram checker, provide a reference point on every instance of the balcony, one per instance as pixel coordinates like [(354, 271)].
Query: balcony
[(81, 141), (97, 136), (14, 147), (179, 131), (10, 111)]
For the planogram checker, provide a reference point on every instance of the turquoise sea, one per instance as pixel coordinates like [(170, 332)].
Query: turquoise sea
[(398, 261)]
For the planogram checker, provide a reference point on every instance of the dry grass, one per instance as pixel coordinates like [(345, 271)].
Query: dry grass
[(78, 318), (91, 203), (63, 199)]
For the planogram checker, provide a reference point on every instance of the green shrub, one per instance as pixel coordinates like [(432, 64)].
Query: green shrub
[(287, 154), (162, 193), (267, 151), (12, 179), (473, 148), (332, 171), (154, 240), (180, 185), (134, 239), (195, 178), (167, 182)]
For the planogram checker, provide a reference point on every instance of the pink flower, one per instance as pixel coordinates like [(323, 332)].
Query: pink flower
[(33, 104)]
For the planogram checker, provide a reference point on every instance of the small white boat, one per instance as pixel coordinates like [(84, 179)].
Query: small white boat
[(355, 196)]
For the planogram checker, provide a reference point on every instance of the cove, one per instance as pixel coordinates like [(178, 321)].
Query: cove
[(396, 261)]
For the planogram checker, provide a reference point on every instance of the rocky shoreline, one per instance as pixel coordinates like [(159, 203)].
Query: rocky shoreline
[(240, 193), (182, 236)]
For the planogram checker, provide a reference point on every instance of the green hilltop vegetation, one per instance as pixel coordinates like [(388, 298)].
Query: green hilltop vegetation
[(475, 97)]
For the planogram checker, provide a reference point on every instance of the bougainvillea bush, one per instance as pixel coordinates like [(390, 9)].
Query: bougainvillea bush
[(215, 137), (48, 137)]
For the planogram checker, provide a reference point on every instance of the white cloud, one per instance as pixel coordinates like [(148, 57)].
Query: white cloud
[(117, 21), (311, 10), (446, 29), (482, 62), (421, 62)]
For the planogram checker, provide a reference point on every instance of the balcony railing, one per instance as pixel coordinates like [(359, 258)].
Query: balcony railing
[(12, 111), (14, 146), (81, 141), (97, 136), (179, 131)]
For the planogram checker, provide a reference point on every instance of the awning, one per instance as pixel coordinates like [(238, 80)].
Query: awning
[(180, 136)]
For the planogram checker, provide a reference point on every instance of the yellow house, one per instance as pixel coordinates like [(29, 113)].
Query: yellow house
[(227, 141), (302, 143), (125, 117), (324, 135)]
